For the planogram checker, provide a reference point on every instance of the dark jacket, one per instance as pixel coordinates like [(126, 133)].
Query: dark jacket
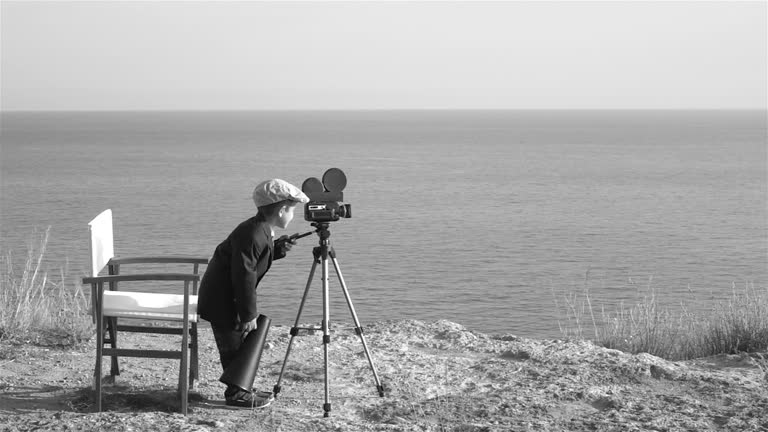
[(228, 289)]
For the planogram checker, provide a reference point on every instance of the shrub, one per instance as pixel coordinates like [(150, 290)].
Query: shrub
[(37, 308), (738, 324)]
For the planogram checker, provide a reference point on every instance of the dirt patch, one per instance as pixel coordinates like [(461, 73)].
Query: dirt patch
[(438, 377)]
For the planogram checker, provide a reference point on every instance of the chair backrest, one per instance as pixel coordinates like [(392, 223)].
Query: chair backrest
[(101, 247)]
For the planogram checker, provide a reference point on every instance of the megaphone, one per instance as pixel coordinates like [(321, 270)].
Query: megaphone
[(242, 371)]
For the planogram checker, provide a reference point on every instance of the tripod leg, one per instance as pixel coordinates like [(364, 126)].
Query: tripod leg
[(295, 329), (358, 327), (326, 331)]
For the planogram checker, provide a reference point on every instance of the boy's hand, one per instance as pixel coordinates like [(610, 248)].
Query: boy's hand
[(285, 242), (247, 327)]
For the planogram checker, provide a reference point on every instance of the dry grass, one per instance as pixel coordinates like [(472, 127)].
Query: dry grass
[(741, 324), (38, 308), (738, 324)]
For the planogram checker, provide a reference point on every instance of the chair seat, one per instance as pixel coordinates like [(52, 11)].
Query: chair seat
[(167, 307)]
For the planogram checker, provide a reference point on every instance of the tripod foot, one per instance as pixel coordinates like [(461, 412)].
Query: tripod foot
[(276, 391), (327, 409), (381, 390)]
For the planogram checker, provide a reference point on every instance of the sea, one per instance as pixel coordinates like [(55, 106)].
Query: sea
[(503, 221)]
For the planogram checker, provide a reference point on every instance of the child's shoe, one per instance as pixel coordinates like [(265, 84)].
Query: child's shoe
[(246, 399)]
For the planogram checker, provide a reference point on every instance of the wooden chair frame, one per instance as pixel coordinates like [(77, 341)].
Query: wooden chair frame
[(107, 323)]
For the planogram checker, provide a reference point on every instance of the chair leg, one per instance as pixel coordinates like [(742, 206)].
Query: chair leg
[(184, 369), (194, 366), (99, 351), (184, 388), (112, 326)]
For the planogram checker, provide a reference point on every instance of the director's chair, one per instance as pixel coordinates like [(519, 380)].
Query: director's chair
[(145, 305)]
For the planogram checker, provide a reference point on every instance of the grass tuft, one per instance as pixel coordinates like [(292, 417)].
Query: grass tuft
[(37, 308), (736, 325)]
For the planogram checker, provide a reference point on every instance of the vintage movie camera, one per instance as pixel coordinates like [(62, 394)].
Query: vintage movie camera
[(325, 197)]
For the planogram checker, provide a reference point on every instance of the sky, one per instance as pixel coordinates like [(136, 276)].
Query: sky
[(248, 55)]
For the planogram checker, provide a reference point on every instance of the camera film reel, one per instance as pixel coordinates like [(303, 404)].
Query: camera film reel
[(329, 189)]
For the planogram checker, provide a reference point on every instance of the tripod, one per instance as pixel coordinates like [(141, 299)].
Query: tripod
[(321, 254)]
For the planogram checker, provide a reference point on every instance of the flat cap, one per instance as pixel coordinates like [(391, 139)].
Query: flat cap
[(276, 190)]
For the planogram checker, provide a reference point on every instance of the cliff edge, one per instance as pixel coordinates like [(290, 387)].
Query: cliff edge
[(438, 376)]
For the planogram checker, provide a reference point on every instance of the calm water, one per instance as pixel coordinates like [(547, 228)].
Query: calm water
[(483, 218)]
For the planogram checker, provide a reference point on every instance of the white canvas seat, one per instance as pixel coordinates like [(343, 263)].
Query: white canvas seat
[(152, 306), (130, 296)]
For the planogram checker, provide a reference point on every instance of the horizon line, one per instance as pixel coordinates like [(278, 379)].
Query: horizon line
[(112, 110)]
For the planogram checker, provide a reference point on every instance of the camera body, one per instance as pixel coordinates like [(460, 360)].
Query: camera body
[(326, 211), (325, 197)]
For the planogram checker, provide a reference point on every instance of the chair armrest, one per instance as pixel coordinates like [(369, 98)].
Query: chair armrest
[(143, 277), (170, 259)]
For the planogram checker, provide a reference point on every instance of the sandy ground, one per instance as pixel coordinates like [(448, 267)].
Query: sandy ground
[(438, 377)]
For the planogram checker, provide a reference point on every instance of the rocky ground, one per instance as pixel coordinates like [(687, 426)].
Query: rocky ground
[(438, 377)]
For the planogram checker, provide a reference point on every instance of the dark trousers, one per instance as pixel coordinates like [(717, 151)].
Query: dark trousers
[(228, 342)]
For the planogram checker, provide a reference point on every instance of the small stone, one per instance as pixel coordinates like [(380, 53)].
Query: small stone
[(606, 403), (515, 355)]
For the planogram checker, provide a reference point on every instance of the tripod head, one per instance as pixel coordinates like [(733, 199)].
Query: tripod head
[(322, 230)]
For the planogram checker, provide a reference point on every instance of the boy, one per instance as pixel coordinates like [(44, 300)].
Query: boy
[(227, 296)]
